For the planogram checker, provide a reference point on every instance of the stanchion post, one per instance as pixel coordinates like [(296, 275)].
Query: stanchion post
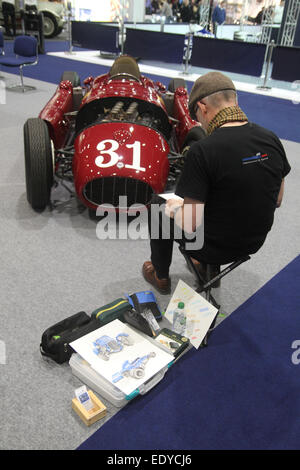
[(268, 55), (122, 35), (122, 25), (70, 51), (187, 52)]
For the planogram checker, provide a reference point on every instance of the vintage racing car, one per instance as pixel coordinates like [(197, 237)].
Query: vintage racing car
[(120, 134)]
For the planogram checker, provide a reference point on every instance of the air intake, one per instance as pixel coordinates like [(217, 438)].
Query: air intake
[(108, 190)]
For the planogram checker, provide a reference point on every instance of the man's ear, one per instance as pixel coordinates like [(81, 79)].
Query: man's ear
[(203, 107)]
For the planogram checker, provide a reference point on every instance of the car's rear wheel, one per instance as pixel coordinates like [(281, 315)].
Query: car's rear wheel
[(38, 163), (73, 77), (169, 97), (195, 134), (50, 25)]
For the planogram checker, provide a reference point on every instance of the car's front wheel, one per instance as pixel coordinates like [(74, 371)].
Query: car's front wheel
[(38, 163)]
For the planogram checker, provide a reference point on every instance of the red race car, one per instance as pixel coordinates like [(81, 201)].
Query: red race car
[(120, 134)]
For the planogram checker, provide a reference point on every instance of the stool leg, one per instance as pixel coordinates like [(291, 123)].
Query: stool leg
[(205, 339)]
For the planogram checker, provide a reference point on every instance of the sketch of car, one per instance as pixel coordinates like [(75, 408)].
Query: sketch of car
[(135, 368), (105, 345)]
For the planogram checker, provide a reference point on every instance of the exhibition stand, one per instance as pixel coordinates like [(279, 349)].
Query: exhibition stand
[(246, 58)]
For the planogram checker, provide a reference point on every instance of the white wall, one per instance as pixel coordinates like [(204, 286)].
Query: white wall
[(136, 10)]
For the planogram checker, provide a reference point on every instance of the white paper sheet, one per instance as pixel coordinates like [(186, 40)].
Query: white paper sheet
[(144, 358), (199, 313), (168, 196)]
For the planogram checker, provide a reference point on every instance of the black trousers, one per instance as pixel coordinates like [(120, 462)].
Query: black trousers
[(9, 16), (163, 233)]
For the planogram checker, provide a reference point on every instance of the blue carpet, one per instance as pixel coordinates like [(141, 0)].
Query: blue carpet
[(241, 392), (280, 116)]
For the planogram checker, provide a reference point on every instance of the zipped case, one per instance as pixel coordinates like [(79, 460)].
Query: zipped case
[(56, 340), (112, 311)]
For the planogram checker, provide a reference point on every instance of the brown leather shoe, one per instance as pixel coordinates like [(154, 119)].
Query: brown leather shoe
[(162, 285)]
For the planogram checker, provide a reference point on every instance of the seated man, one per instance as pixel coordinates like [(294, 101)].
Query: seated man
[(232, 179)]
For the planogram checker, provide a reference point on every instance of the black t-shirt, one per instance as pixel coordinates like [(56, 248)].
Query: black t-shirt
[(237, 172)]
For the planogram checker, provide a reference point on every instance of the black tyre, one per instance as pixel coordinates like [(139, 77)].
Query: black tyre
[(73, 77), (50, 25), (38, 163), (59, 30), (176, 83), (195, 134)]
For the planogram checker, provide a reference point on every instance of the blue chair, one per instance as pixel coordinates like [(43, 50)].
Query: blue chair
[(26, 51)]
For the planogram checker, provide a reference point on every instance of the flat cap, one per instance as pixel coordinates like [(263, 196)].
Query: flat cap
[(206, 85)]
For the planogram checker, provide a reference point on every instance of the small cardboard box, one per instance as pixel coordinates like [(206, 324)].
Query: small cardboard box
[(93, 415)]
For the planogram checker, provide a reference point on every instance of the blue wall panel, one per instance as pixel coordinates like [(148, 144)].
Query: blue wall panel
[(230, 56), (95, 36)]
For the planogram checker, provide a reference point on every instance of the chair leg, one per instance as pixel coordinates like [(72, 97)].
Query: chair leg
[(2, 54), (22, 78), (21, 87)]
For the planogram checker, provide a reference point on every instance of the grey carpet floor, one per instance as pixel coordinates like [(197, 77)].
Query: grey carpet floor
[(53, 265)]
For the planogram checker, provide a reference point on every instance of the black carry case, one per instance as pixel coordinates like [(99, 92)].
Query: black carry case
[(56, 339)]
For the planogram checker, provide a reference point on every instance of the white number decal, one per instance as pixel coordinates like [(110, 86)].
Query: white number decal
[(136, 159), (114, 157)]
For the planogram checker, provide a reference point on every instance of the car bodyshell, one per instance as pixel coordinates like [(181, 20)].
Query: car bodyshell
[(122, 138)]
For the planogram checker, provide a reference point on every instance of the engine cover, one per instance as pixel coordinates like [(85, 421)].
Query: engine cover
[(114, 159)]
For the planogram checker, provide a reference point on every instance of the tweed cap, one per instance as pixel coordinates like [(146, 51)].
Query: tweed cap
[(206, 85)]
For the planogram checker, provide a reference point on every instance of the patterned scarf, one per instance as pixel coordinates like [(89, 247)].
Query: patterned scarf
[(230, 114)]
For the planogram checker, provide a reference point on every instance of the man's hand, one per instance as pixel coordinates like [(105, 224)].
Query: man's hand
[(187, 213), (171, 206)]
